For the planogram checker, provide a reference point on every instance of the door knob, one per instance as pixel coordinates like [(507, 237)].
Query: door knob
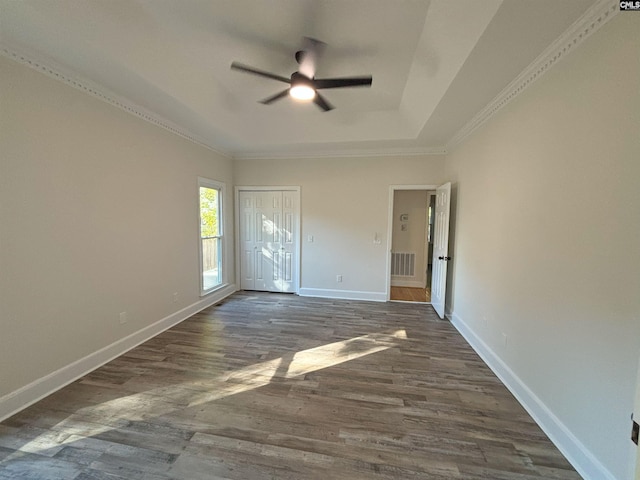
[(444, 258)]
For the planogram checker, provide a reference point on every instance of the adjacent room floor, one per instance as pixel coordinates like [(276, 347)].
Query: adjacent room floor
[(269, 386), (410, 294)]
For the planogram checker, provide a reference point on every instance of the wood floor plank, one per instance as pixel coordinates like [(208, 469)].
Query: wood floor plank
[(410, 294), (269, 386)]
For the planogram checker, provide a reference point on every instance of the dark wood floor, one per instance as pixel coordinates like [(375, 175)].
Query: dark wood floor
[(268, 386)]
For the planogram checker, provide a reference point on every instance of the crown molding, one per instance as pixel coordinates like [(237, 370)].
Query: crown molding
[(57, 72), (346, 153), (595, 17)]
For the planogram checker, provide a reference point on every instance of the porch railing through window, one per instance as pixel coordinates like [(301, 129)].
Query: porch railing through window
[(211, 262)]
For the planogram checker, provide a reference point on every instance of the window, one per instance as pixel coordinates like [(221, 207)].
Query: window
[(211, 221)]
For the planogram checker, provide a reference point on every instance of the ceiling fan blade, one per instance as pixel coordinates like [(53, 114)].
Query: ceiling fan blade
[(308, 57), (343, 82), (245, 68), (275, 97), (322, 102)]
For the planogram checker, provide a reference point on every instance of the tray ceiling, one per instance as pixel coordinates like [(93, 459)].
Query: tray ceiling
[(435, 64)]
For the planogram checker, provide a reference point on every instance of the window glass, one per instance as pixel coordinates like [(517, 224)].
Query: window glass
[(210, 235)]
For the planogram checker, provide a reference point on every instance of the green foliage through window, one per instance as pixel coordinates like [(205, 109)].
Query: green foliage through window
[(209, 212)]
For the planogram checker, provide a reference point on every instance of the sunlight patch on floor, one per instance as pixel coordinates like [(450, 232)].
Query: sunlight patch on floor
[(303, 362), (138, 406)]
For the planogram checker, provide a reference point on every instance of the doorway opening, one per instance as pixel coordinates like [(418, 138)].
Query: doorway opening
[(412, 227)]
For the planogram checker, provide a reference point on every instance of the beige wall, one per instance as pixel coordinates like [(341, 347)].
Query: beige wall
[(540, 258), (98, 215), (344, 204)]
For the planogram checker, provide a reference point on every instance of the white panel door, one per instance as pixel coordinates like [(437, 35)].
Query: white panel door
[(268, 240), (288, 241), (440, 248), (268, 221), (246, 203), (636, 419)]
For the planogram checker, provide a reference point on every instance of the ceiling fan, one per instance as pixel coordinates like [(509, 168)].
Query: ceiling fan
[(303, 84)]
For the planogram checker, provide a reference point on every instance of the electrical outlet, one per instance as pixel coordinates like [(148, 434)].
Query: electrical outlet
[(175, 297), (310, 238), (339, 278), (123, 318)]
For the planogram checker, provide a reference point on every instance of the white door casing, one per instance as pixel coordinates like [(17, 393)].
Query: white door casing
[(268, 240), (440, 248)]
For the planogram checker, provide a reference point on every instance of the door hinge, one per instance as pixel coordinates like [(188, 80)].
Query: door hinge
[(635, 430)]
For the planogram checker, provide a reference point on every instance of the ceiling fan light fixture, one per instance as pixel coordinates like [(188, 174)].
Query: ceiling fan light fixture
[(302, 86), (302, 92)]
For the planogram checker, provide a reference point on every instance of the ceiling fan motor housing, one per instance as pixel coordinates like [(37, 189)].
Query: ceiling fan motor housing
[(298, 79)]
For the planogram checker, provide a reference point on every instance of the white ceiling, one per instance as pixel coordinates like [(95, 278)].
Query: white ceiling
[(435, 64)]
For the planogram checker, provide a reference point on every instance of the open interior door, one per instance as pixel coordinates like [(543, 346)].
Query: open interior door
[(636, 426), (440, 248)]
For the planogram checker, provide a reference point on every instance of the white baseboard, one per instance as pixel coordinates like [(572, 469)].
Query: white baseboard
[(343, 294), (395, 282), (20, 399), (576, 453)]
